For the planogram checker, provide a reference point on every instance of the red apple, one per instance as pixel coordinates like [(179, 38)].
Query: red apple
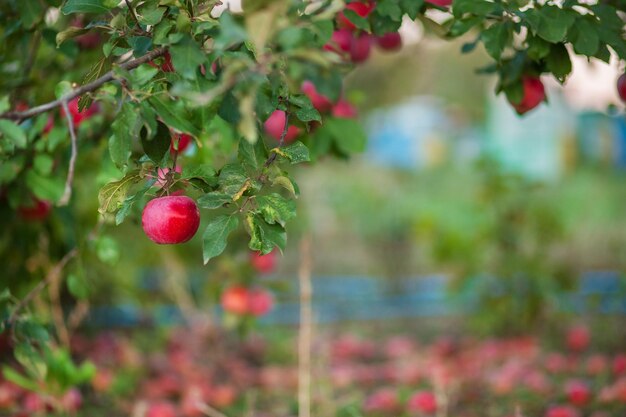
[(360, 47), (577, 392), (440, 3), (390, 41), (340, 41), (320, 102), (72, 400), (578, 338), (619, 364), (562, 411), (384, 400), (260, 302), (235, 300), (275, 124), (161, 409), (38, 211), (166, 65), (534, 94), (621, 87), (32, 403), (344, 110), (183, 140), (170, 219), (362, 9), (423, 402), (263, 264), (77, 116)]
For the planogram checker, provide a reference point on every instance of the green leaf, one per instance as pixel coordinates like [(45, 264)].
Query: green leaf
[(114, 193), (30, 12), (45, 187), (77, 286), (265, 237), (12, 375), (537, 47), (411, 7), (584, 37), (124, 131), (558, 62), (174, 115), (296, 152), (11, 131), (358, 21), (550, 22), (275, 208), (252, 156), (127, 204), (216, 235), (231, 33), (496, 38), (43, 163), (68, 33), (159, 145), (214, 200), (140, 45), (348, 134), (232, 179), (107, 250), (205, 173), (475, 7), (32, 330), (84, 6), (187, 57)]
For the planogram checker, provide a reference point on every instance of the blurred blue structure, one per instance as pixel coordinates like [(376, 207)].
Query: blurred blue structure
[(352, 298)]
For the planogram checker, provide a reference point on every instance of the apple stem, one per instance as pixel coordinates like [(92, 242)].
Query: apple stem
[(67, 193)]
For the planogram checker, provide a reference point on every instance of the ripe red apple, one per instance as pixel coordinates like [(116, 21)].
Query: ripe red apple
[(263, 264), (423, 402), (320, 102), (170, 219), (440, 3), (161, 409), (621, 87), (183, 140), (577, 392), (72, 400), (344, 110), (578, 338), (362, 9), (390, 41), (77, 116), (534, 94), (275, 124), (562, 411), (235, 300), (360, 47), (260, 302), (340, 41), (38, 211), (166, 65), (384, 400)]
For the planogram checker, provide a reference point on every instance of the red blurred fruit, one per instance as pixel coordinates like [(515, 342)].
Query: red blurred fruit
[(32, 403), (360, 48), (263, 264), (319, 101), (72, 400), (578, 338), (390, 41), (9, 394), (222, 395), (577, 392), (621, 87), (235, 300), (340, 41), (38, 211), (384, 400), (275, 124), (619, 364), (77, 116), (362, 9), (102, 380), (423, 402), (534, 94), (260, 302), (344, 110), (562, 411), (161, 409), (183, 139), (441, 3), (170, 219)]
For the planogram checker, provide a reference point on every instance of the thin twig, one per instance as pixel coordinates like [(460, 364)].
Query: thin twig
[(132, 13), (209, 411), (305, 331), (67, 193), (55, 271), (87, 88)]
